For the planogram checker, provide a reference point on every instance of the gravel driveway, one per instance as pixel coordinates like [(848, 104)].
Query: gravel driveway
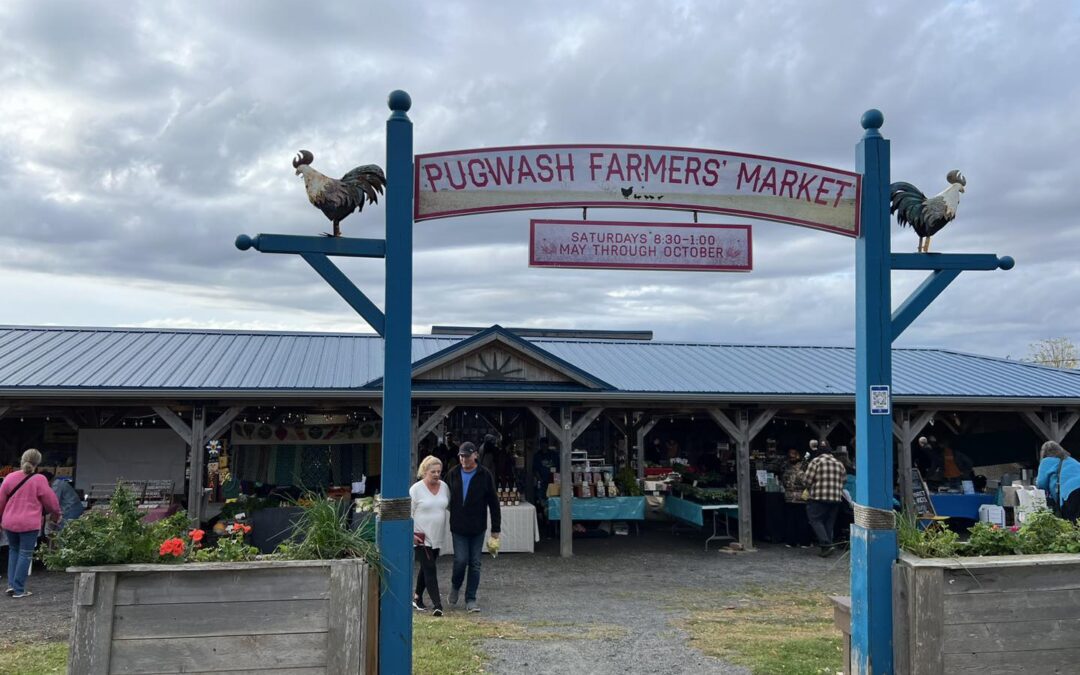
[(617, 601)]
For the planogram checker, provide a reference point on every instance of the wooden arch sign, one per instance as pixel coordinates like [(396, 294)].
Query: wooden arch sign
[(488, 180)]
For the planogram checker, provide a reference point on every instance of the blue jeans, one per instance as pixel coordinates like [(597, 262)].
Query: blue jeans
[(467, 550), (20, 552)]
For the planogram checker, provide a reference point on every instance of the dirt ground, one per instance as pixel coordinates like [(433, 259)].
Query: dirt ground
[(619, 601)]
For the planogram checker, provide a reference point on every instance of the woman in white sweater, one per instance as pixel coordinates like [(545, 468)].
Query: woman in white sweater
[(430, 499)]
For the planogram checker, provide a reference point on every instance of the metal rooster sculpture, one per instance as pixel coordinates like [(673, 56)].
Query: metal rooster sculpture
[(926, 216), (339, 198)]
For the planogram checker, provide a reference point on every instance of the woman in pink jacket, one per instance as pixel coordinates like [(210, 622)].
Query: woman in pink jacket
[(23, 496)]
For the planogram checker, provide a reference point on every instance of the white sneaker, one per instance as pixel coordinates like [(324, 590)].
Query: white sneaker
[(24, 594)]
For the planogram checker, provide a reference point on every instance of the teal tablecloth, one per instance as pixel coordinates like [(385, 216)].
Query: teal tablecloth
[(600, 508), (692, 512)]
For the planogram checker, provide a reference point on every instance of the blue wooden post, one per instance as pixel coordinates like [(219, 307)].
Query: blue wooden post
[(873, 537), (395, 526)]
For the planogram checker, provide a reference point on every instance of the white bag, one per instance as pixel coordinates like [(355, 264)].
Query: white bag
[(1030, 500)]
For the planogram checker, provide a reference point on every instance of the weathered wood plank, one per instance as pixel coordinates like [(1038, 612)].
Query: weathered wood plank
[(1012, 579), (189, 568), (901, 626), (1041, 662), (219, 654), (1011, 607), (343, 641), (91, 634), (927, 622), (370, 646), (220, 619), (1011, 637), (171, 587), (996, 562)]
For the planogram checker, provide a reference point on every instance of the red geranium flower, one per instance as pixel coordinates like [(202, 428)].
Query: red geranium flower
[(173, 547), (247, 529), (197, 535)]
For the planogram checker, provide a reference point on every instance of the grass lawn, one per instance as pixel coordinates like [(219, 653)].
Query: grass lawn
[(24, 659), (771, 632), (450, 644)]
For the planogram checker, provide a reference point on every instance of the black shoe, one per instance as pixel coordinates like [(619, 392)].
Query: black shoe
[(437, 611), (826, 551)]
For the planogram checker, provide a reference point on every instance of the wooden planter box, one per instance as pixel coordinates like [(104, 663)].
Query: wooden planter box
[(990, 616), (295, 617)]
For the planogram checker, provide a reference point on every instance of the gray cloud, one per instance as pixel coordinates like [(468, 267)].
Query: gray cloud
[(142, 138)]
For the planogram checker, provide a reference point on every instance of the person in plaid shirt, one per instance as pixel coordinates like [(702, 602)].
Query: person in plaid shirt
[(824, 481)]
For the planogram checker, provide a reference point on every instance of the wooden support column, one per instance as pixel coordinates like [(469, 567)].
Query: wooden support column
[(421, 430), (642, 432), (566, 431), (742, 430), (1051, 425), (823, 430), (196, 436), (198, 467), (906, 430)]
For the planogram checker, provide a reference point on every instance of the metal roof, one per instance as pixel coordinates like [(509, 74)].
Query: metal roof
[(38, 360)]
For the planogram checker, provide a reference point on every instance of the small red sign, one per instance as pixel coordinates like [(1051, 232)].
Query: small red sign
[(638, 245)]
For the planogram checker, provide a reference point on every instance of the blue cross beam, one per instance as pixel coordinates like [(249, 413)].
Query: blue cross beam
[(316, 251), (944, 269)]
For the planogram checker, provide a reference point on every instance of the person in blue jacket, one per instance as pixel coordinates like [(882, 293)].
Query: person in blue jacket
[(1059, 475)]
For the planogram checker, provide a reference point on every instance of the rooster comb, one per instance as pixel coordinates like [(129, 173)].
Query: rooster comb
[(955, 176), (303, 157)]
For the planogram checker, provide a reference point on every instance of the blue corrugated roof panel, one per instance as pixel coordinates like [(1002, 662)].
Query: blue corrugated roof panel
[(80, 359)]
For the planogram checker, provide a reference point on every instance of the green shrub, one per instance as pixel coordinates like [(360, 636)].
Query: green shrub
[(987, 539), (114, 537), (322, 531), (935, 541)]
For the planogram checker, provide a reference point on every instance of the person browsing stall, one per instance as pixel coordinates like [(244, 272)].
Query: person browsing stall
[(472, 496), (824, 480), (24, 494), (1059, 475)]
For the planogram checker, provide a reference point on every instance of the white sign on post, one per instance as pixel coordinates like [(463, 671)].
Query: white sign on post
[(880, 402)]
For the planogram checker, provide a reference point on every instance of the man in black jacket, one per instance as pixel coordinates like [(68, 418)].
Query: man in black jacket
[(472, 495)]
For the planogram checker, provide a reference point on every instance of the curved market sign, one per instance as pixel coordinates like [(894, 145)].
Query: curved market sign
[(489, 180)]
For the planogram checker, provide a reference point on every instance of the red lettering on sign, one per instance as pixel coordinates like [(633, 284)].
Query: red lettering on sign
[(768, 182), (822, 190), (450, 175), (433, 173), (804, 185), (652, 169), (788, 181), (843, 184), (501, 173), (633, 167), (693, 166), (675, 169), (614, 168), (525, 170), (477, 180), (569, 166), (543, 166), (712, 172), (748, 176), (594, 163)]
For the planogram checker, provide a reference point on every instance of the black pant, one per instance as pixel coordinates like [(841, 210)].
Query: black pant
[(822, 517), (427, 577), (1070, 510), (796, 526)]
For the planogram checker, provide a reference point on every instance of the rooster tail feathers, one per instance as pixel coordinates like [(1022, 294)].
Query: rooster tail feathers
[(368, 180), (906, 201)]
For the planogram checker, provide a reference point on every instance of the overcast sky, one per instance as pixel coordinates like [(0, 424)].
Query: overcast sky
[(141, 138)]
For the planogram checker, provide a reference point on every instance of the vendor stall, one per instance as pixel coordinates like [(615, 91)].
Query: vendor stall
[(960, 505)]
